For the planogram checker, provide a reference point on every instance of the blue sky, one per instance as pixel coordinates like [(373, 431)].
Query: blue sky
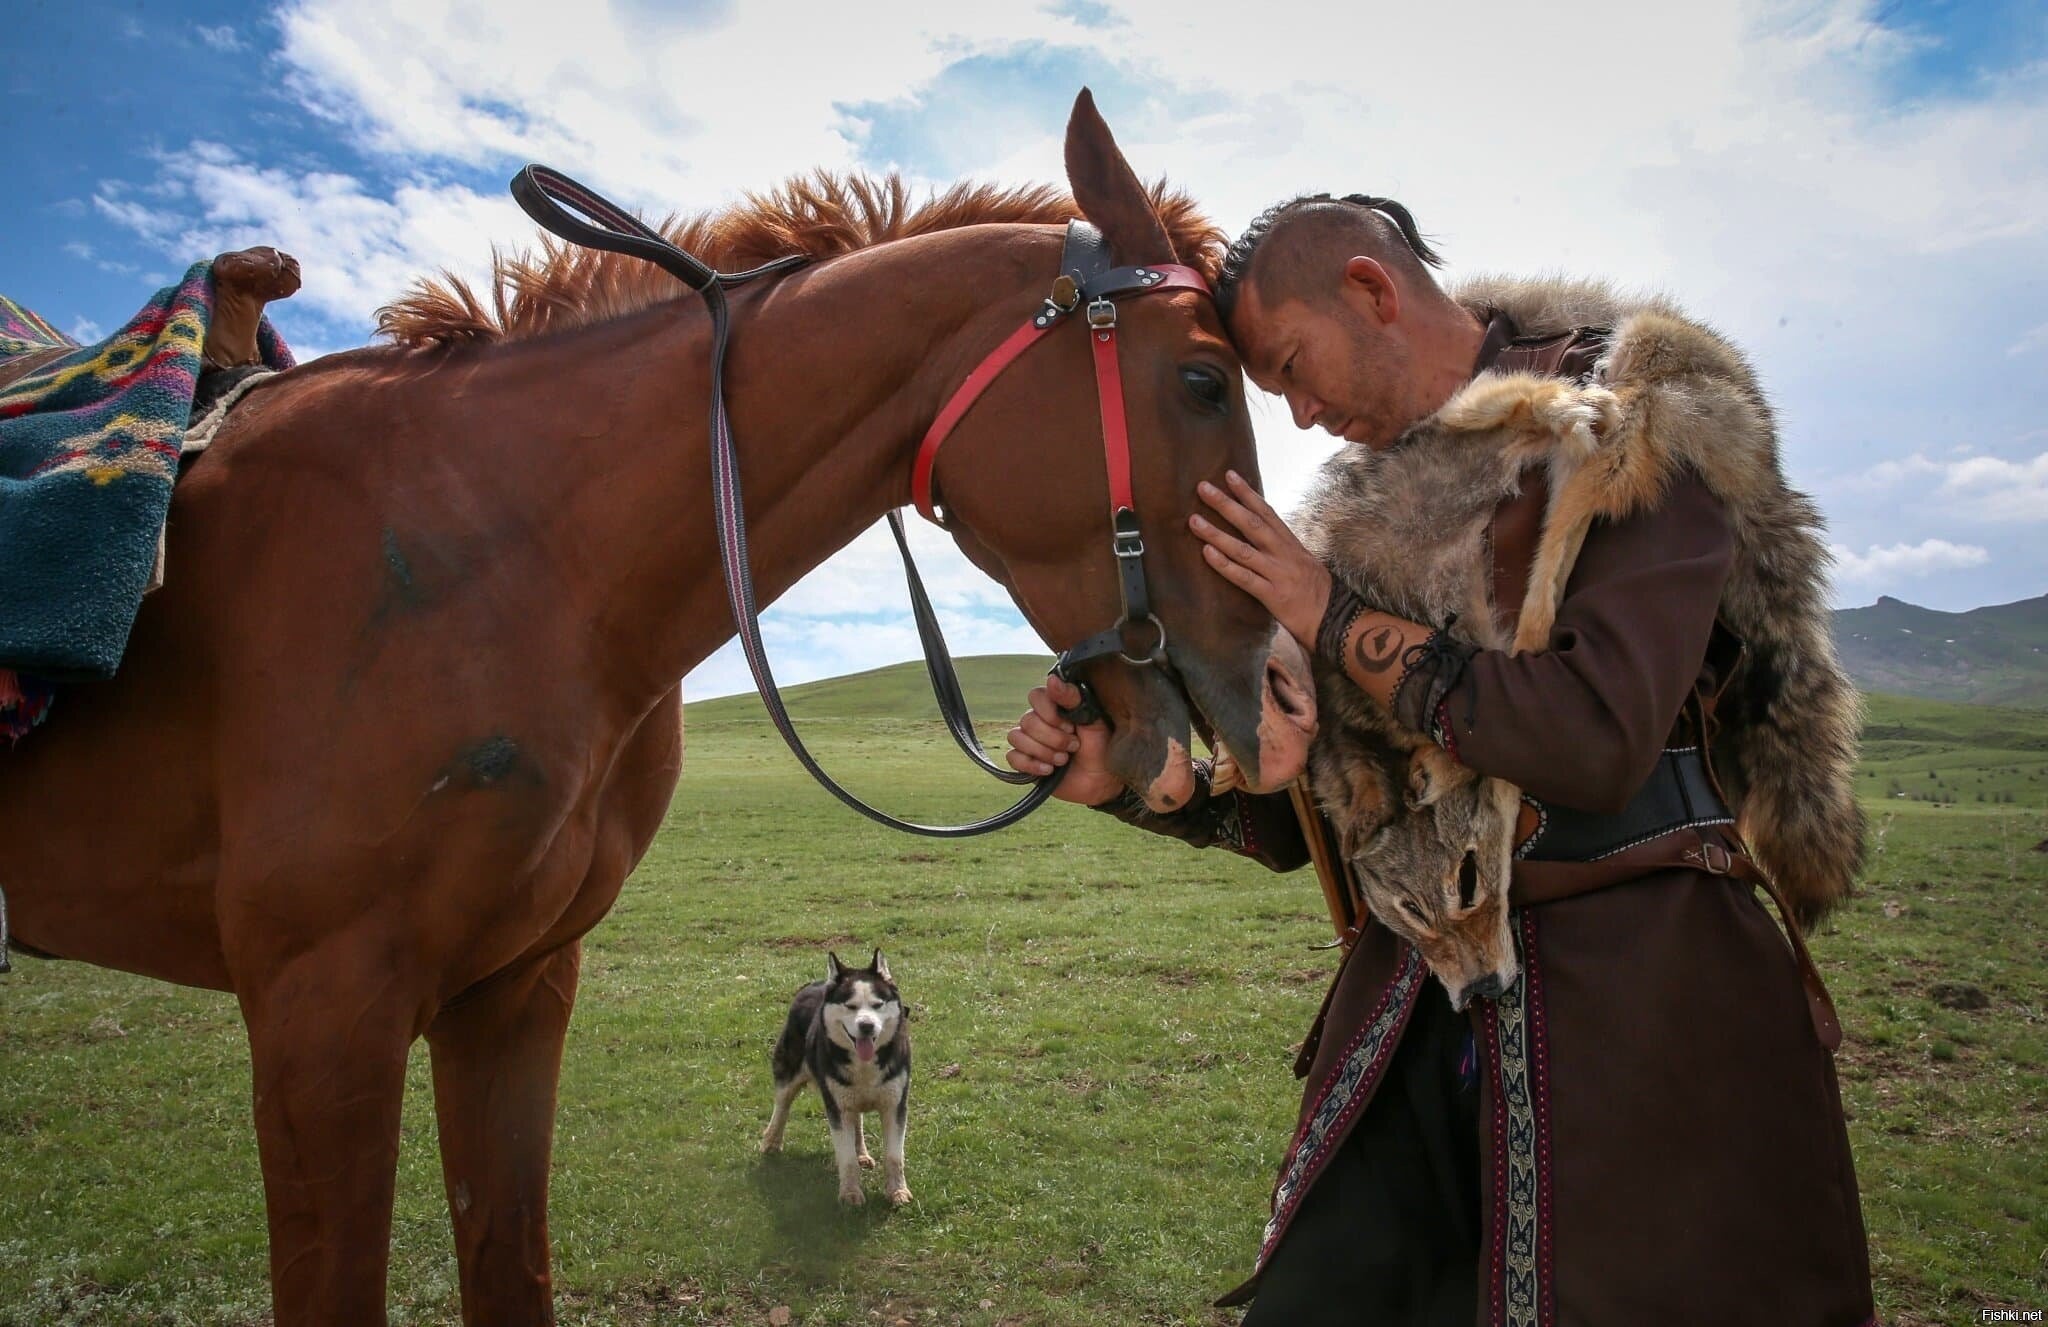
[(1854, 188)]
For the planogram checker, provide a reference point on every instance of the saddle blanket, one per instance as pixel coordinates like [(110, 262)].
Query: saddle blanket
[(90, 438)]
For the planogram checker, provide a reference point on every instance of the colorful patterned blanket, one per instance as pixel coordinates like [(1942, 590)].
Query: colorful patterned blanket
[(89, 447)]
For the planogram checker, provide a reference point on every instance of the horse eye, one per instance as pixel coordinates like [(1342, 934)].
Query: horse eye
[(1206, 387)]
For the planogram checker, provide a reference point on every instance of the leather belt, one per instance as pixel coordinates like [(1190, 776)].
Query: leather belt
[(1679, 794)]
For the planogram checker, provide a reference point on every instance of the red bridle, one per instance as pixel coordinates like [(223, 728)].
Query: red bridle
[(1086, 273), (1109, 384)]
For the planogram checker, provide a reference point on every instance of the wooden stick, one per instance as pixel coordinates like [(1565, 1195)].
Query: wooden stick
[(1331, 870)]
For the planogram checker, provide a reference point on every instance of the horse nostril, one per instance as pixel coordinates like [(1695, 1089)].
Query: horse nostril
[(1468, 879), (1290, 695)]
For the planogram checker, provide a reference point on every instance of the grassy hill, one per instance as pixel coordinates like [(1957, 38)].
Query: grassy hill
[(1937, 751), (995, 685), (1996, 656), (1988, 656), (1104, 1022)]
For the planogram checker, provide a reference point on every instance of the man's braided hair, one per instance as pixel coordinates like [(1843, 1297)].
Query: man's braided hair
[(1243, 251)]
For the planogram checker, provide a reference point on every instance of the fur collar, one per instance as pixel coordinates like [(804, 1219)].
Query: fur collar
[(1545, 306)]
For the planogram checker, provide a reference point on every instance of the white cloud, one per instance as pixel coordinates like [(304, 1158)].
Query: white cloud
[(2033, 341), (667, 108), (1880, 566), (1874, 252), (221, 38), (85, 331), (358, 250), (1972, 488), (86, 253)]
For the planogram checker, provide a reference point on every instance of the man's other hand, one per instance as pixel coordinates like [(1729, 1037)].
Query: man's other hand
[(1256, 552), (1044, 738)]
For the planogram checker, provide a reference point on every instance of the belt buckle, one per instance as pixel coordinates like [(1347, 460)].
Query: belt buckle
[(1716, 859)]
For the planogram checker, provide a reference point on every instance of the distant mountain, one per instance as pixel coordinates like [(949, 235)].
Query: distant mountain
[(1987, 656)]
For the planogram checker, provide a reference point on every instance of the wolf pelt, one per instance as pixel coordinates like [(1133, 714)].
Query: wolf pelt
[(1407, 528)]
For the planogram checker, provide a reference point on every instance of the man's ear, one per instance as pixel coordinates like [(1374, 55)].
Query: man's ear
[(1368, 285)]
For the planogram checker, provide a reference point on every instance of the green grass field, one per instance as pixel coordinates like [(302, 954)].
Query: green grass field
[(1104, 1023)]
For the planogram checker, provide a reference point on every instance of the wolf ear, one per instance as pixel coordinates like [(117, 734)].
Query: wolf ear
[(880, 966), (833, 967)]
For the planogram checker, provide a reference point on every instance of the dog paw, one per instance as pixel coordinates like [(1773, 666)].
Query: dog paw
[(771, 1141), (899, 1195), (852, 1197), (866, 1162)]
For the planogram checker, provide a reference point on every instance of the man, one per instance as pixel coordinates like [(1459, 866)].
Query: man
[(1646, 1126)]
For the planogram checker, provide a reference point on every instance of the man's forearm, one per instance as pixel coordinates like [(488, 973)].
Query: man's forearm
[(1404, 666)]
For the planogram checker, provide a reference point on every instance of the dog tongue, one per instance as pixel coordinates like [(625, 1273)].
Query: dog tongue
[(864, 1048)]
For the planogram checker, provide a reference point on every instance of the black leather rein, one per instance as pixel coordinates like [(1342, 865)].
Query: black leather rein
[(542, 193)]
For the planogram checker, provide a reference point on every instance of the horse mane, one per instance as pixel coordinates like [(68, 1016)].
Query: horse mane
[(819, 215)]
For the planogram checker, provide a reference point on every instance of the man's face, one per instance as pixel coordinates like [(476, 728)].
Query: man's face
[(1339, 367)]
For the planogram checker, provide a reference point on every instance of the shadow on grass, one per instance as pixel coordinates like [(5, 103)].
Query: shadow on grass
[(814, 1234)]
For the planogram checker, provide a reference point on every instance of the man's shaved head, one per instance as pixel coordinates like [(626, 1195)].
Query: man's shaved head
[(1332, 304), (1317, 234)]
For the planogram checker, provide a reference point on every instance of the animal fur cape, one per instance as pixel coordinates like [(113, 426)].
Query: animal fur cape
[(1407, 527)]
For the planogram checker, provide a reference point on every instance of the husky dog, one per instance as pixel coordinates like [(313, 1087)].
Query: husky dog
[(847, 1034)]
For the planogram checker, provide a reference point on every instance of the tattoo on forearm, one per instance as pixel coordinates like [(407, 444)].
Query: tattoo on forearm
[(1377, 648)]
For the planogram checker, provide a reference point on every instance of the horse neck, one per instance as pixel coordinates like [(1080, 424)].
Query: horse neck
[(832, 376)]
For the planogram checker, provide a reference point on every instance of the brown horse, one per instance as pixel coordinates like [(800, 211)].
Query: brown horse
[(407, 713)]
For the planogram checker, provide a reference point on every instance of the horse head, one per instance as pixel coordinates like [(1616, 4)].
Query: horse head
[(1028, 501)]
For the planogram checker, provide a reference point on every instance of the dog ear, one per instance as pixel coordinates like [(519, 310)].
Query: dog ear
[(881, 966), (833, 967)]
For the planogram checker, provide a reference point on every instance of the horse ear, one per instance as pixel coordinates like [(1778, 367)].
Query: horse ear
[(833, 967), (1108, 192), (880, 966)]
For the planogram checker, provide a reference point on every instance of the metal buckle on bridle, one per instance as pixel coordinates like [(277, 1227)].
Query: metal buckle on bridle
[(1102, 314), (1066, 295), (1127, 541), (1125, 537), (1716, 859)]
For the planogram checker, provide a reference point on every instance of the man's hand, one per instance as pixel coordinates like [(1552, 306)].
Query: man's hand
[(1258, 553), (1043, 739)]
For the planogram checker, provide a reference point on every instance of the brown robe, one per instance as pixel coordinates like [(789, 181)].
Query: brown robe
[(1660, 1131)]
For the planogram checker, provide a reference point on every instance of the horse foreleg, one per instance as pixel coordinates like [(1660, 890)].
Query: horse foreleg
[(328, 1050), (497, 1057)]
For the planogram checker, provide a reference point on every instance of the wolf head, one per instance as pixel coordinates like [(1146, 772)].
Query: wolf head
[(862, 1008), (1430, 841)]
